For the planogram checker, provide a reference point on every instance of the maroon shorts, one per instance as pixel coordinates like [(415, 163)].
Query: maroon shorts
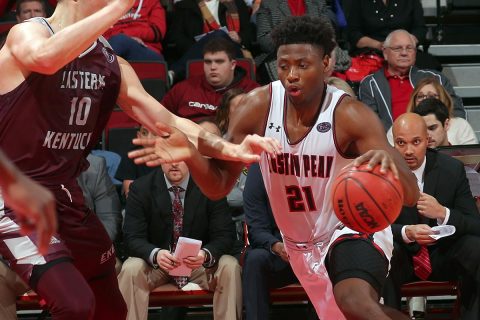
[(81, 237)]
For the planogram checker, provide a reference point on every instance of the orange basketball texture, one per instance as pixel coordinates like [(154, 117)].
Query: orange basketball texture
[(366, 201)]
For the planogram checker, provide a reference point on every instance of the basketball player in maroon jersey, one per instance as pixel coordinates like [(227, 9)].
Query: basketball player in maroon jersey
[(60, 81), (320, 129)]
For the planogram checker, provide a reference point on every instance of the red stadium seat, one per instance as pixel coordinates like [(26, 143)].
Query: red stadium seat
[(434, 288), (153, 76), (195, 67), (150, 69), (6, 26)]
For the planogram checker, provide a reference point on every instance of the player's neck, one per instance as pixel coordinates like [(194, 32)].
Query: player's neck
[(305, 113), (65, 14)]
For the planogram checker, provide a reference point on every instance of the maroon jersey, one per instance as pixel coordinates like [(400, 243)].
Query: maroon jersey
[(49, 123)]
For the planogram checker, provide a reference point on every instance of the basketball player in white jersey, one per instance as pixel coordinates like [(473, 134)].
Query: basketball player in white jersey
[(321, 129)]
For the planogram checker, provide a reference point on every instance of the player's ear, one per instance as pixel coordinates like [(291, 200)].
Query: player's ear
[(328, 64)]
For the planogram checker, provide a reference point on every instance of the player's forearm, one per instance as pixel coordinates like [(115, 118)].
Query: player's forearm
[(207, 143), (51, 54), (211, 176), (8, 172)]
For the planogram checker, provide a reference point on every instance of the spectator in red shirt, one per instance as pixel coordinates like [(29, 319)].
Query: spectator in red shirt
[(199, 97), (388, 90), (138, 34)]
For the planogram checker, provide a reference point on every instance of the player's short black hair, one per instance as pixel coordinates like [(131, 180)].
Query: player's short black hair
[(305, 30), (433, 106), (219, 44)]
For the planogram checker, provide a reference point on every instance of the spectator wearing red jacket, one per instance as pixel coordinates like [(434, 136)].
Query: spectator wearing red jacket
[(199, 97), (138, 34)]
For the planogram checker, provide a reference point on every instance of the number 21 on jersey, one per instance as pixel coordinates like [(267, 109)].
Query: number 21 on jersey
[(300, 199)]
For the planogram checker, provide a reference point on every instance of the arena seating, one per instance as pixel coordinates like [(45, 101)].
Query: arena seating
[(6, 26), (153, 76)]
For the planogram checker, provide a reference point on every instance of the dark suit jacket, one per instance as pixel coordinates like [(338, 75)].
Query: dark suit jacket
[(444, 179), (262, 230), (149, 221)]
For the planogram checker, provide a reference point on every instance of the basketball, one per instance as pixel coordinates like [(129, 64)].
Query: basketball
[(366, 201)]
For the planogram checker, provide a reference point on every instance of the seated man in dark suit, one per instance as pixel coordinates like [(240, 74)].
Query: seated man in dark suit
[(160, 207), (446, 199), (266, 263)]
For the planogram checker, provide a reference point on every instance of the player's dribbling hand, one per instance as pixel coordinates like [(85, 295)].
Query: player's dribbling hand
[(374, 157), (34, 207)]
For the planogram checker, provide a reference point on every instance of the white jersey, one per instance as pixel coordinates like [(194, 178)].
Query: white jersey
[(298, 181)]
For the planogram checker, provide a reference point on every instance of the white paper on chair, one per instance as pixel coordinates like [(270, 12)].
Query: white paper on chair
[(442, 231), (200, 36), (186, 247)]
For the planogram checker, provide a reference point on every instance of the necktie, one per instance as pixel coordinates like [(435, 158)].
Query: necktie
[(177, 211), (421, 263)]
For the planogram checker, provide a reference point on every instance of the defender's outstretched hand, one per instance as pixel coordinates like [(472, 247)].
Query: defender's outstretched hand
[(34, 206), (172, 145)]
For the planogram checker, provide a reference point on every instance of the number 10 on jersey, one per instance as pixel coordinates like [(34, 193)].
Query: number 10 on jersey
[(79, 111)]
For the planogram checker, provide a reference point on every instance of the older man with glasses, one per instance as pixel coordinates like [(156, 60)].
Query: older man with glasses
[(388, 90)]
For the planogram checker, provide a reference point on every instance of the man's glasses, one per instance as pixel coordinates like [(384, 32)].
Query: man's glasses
[(422, 97), (399, 49)]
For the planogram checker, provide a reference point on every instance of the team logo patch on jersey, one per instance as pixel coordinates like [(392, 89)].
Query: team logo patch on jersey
[(110, 57), (324, 127)]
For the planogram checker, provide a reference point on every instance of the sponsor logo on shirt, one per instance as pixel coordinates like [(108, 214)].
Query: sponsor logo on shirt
[(205, 106)]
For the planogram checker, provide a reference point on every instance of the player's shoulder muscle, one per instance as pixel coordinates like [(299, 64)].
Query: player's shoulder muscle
[(251, 112)]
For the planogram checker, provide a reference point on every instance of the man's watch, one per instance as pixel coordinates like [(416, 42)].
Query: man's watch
[(154, 262), (208, 257)]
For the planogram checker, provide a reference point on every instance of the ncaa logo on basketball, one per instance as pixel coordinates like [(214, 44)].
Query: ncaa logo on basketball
[(110, 57), (366, 216), (324, 127)]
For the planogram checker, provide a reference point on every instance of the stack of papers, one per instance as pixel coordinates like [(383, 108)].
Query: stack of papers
[(186, 247)]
